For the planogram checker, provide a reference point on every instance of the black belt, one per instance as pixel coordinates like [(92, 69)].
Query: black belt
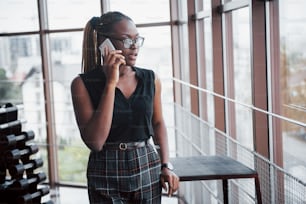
[(125, 145)]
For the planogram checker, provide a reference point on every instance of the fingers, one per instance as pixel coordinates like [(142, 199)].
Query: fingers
[(173, 183), (114, 57), (164, 185), (111, 63), (106, 51)]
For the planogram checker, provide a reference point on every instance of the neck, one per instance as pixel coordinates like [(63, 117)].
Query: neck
[(123, 70)]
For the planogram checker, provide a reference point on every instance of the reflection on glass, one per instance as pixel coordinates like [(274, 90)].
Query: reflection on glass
[(293, 82), (21, 83), (18, 16), (293, 59), (207, 4), (66, 64), (209, 79), (156, 51), (143, 11), (184, 61), (242, 75), (156, 55), (294, 152), (66, 14)]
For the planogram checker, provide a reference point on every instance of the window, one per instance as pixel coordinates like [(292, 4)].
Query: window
[(240, 78), (18, 16), (218, 61), (293, 84), (21, 83), (143, 11), (66, 59), (71, 13)]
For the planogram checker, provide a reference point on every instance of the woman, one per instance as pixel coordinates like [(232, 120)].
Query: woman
[(118, 108)]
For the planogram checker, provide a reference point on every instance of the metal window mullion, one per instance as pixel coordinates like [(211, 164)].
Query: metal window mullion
[(218, 63), (233, 5), (48, 95), (105, 6), (274, 94), (193, 65), (176, 50), (259, 78), (176, 65)]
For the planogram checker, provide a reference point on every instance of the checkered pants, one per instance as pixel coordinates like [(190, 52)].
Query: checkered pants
[(124, 176)]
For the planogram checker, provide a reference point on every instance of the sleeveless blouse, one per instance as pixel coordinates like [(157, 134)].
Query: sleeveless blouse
[(132, 117)]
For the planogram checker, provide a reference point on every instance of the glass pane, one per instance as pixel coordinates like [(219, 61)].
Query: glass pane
[(293, 59), (294, 152), (143, 11), (66, 14), (66, 64), (293, 84), (157, 46), (242, 75), (185, 74), (207, 4), (208, 53), (18, 16), (209, 80), (21, 83)]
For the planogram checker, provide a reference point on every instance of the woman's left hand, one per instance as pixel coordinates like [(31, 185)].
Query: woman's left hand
[(168, 176)]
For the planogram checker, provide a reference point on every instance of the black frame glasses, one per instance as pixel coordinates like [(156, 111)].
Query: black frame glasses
[(128, 42)]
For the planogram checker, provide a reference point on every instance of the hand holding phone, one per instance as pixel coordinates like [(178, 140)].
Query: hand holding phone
[(114, 60), (106, 43)]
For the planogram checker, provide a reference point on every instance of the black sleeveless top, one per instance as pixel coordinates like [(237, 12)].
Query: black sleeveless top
[(132, 117)]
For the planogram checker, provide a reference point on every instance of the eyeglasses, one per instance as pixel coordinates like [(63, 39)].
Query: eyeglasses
[(128, 42)]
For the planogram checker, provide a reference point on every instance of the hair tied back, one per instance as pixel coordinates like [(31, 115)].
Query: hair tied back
[(95, 22)]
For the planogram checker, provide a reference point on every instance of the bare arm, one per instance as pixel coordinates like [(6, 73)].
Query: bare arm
[(94, 125), (160, 132), (159, 126), (93, 133)]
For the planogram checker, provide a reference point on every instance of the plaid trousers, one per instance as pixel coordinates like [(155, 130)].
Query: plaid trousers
[(124, 176)]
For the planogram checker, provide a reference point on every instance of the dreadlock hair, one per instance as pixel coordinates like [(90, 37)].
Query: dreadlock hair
[(91, 56)]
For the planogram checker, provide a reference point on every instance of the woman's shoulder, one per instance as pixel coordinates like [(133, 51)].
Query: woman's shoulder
[(84, 79), (95, 72), (77, 84), (145, 72)]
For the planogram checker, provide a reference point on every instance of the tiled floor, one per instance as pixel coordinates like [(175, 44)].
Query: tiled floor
[(79, 196)]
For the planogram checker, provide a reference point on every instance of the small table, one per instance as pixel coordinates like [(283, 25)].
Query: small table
[(197, 168)]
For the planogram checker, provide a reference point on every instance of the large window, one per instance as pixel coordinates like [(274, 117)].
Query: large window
[(293, 85), (241, 74), (21, 83), (27, 78), (66, 14), (66, 64), (259, 113), (233, 83), (18, 16), (143, 12)]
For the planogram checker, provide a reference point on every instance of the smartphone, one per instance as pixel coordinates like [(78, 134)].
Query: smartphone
[(106, 43)]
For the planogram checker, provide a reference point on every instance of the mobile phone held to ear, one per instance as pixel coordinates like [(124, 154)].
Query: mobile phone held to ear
[(106, 43)]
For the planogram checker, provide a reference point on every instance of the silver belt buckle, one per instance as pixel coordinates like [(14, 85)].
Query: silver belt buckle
[(122, 146)]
